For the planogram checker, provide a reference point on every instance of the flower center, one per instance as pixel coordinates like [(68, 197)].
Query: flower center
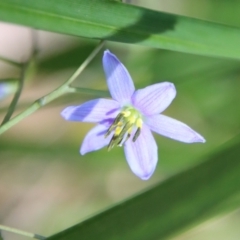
[(123, 125)]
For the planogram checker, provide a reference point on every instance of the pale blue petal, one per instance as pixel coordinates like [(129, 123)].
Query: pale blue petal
[(142, 155), (95, 110), (119, 81), (3, 92), (155, 98), (95, 139), (174, 129), (7, 88)]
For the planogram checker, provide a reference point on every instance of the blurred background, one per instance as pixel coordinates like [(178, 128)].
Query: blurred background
[(47, 186)]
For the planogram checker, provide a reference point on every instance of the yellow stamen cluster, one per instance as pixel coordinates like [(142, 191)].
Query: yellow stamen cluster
[(123, 126)]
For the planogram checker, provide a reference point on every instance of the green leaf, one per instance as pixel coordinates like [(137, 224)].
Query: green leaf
[(67, 59), (115, 21), (172, 206)]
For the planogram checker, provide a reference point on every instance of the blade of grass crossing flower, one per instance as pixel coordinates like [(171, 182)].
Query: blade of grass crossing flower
[(112, 20), (176, 204)]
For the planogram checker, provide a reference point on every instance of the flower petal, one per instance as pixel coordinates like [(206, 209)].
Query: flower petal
[(119, 81), (142, 155), (95, 139), (92, 111), (174, 129), (155, 98)]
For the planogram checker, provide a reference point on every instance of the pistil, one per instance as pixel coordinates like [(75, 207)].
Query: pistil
[(123, 126)]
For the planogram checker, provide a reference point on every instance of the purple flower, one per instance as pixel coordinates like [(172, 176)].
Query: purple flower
[(129, 117), (7, 87), (2, 90)]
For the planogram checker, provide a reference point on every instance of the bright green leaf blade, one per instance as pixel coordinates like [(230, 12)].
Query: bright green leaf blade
[(172, 206), (120, 22)]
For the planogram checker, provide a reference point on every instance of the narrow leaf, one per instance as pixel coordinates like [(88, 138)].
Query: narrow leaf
[(172, 206), (115, 21)]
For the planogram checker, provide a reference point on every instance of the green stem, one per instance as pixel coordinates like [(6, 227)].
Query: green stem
[(11, 62), (35, 39), (24, 71), (84, 64), (99, 93), (20, 232), (64, 88), (16, 97)]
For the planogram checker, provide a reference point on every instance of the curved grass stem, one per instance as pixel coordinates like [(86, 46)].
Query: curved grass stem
[(16, 97), (64, 88), (11, 62), (20, 232), (98, 93)]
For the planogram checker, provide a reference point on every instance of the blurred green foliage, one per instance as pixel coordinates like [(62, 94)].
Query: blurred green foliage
[(46, 186)]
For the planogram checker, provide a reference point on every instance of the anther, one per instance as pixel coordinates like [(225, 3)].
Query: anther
[(112, 142), (136, 135), (118, 118), (109, 131), (114, 124), (128, 136), (126, 113), (122, 128)]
